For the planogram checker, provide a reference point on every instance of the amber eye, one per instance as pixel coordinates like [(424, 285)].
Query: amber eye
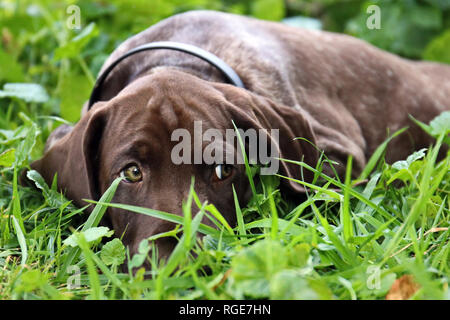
[(131, 173), (223, 171)]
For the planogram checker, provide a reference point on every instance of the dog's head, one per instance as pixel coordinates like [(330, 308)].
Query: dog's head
[(164, 129)]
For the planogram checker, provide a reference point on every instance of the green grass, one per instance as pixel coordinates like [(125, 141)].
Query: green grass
[(341, 242)]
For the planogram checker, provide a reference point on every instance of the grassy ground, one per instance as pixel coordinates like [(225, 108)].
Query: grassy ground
[(347, 244), (342, 242)]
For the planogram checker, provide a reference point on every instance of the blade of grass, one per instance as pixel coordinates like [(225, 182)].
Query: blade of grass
[(92, 221), (18, 222), (274, 214), (346, 219), (239, 216), (298, 211), (340, 245), (331, 193), (322, 159), (342, 186), (160, 215), (247, 165), (216, 214), (377, 155), (98, 212), (17, 211), (96, 289), (105, 270), (187, 214), (425, 191), (21, 240), (180, 252), (368, 191)]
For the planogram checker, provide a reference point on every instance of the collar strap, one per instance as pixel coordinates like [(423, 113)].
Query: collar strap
[(224, 68)]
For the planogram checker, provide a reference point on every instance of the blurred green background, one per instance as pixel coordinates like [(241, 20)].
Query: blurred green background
[(37, 47)]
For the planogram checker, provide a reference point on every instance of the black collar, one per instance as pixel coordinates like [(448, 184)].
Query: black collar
[(226, 70)]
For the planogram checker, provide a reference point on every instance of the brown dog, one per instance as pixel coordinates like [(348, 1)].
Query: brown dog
[(338, 92)]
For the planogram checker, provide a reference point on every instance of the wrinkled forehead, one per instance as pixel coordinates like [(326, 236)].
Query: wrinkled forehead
[(170, 100), (152, 110)]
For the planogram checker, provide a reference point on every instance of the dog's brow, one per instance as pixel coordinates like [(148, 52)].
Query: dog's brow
[(139, 150)]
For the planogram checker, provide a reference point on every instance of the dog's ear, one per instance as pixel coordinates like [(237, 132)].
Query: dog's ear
[(74, 157), (249, 110)]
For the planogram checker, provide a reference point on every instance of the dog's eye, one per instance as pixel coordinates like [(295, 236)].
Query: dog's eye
[(131, 173), (223, 171)]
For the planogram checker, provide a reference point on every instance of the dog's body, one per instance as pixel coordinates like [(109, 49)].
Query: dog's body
[(351, 92), (338, 92)]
